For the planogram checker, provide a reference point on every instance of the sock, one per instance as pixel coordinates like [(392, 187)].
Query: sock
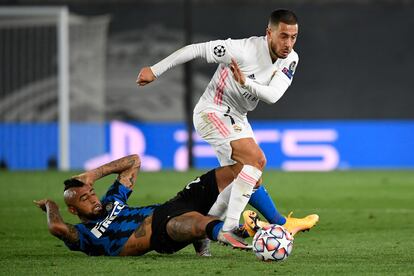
[(240, 194), (219, 207), (261, 200), (213, 228)]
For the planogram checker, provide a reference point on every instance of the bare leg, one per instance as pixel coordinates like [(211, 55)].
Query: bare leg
[(246, 152), (188, 227)]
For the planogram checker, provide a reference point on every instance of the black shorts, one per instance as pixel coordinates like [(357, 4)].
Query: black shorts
[(199, 195)]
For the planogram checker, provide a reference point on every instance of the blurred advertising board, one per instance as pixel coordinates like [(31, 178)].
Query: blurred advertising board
[(288, 145)]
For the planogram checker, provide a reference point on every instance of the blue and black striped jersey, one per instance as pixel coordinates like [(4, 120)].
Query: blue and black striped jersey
[(107, 235)]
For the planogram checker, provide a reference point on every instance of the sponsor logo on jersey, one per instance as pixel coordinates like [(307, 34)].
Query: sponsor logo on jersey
[(250, 97), (102, 226), (219, 50), (252, 76)]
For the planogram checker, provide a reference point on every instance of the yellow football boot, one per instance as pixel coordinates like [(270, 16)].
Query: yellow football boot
[(294, 225), (252, 222)]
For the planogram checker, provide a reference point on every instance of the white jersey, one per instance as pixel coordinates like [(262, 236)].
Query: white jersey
[(265, 80)]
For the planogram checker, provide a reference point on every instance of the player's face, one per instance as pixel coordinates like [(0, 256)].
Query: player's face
[(86, 202), (281, 39)]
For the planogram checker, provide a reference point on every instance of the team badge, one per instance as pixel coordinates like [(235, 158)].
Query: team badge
[(219, 50), (109, 206), (237, 128)]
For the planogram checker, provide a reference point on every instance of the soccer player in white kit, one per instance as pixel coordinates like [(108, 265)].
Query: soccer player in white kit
[(252, 69)]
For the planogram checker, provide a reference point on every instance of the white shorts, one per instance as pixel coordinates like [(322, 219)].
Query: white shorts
[(219, 128)]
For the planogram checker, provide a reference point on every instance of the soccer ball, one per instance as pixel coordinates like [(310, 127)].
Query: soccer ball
[(272, 243)]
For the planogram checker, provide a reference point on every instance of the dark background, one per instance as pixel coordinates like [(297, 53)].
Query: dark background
[(355, 56)]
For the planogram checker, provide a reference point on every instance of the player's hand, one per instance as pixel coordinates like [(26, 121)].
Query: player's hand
[(237, 74), (145, 76), (86, 178), (41, 203)]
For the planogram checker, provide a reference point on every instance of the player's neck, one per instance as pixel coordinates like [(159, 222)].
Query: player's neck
[(273, 56)]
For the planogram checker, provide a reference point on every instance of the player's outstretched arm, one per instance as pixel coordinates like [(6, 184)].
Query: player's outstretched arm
[(126, 167), (57, 227)]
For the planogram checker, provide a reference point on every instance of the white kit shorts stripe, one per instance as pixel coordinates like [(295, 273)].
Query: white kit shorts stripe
[(219, 129)]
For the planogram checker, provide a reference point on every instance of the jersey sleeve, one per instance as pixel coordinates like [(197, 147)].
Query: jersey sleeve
[(288, 70), (217, 51), (280, 82), (117, 192), (222, 51)]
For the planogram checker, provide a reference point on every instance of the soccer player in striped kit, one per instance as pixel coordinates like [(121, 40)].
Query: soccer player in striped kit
[(249, 70), (110, 226)]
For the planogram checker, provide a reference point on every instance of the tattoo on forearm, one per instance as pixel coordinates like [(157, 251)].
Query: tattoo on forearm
[(53, 214), (72, 235), (116, 166), (54, 217), (98, 173)]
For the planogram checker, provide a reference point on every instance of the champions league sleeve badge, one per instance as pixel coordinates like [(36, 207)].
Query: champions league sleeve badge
[(219, 50), (291, 71)]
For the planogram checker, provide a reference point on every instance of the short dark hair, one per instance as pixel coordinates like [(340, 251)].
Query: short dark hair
[(72, 182), (285, 16)]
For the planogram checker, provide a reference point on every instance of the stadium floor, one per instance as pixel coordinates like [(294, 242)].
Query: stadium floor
[(366, 227)]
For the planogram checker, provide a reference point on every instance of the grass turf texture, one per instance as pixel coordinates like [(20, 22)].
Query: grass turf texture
[(366, 227)]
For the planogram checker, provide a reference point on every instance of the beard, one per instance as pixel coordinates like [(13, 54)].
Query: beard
[(93, 215), (275, 53)]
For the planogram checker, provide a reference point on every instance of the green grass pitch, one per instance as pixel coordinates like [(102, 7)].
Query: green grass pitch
[(366, 227)]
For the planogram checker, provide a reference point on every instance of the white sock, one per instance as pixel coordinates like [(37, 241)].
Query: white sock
[(240, 194), (219, 207)]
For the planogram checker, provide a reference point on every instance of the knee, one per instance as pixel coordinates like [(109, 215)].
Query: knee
[(262, 161), (258, 160), (247, 152)]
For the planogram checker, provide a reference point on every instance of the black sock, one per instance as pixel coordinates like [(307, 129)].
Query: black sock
[(212, 230)]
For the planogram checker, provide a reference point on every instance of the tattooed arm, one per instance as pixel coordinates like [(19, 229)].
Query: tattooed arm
[(140, 241), (57, 227), (126, 167)]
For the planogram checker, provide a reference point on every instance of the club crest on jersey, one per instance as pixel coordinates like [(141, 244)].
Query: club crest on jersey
[(219, 50), (109, 207), (237, 128)]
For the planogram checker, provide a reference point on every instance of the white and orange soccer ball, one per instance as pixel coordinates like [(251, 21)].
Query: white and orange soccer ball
[(272, 243)]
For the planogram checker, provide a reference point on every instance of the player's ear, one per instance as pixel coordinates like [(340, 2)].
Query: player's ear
[(72, 210)]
